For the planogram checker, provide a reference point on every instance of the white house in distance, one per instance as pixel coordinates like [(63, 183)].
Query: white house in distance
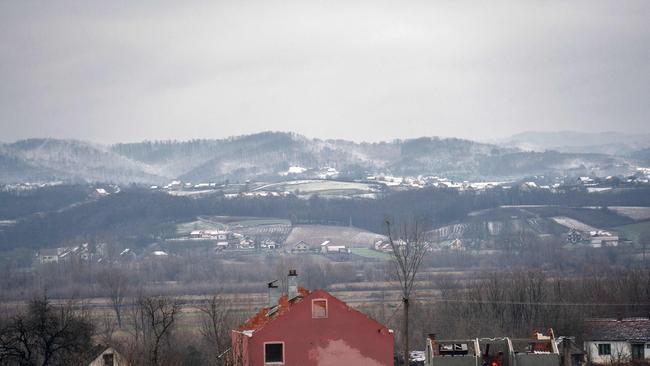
[(609, 341), (327, 247)]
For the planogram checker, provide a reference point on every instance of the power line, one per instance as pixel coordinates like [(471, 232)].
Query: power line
[(460, 301)]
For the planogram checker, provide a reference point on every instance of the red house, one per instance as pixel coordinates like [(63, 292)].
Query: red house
[(306, 328)]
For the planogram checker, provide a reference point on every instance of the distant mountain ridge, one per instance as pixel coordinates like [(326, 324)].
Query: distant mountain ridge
[(612, 143), (264, 155)]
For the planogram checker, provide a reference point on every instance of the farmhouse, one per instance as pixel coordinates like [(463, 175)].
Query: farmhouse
[(327, 247), (66, 254), (220, 235), (300, 247), (600, 238), (48, 255), (617, 340), (310, 328), (383, 246)]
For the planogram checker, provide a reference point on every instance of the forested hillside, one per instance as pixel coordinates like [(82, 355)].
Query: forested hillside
[(265, 156)]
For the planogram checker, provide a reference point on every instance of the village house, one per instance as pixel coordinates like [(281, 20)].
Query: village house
[(269, 244), (383, 246), (455, 244), (48, 255), (220, 235), (107, 356), (328, 247), (310, 328), (300, 247), (617, 340), (539, 350), (600, 238), (66, 254)]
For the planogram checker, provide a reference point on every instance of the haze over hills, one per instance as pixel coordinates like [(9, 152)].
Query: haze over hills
[(613, 143), (265, 155)]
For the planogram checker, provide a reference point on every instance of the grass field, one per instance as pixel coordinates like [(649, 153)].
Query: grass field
[(342, 235), (635, 213), (232, 223), (370, 253), (633, 231)]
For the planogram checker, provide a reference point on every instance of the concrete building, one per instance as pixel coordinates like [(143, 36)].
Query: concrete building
[(308, 329), (617, 340), (539, 350)]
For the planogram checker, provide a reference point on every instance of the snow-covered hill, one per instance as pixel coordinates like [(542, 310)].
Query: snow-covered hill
[(265, 155)]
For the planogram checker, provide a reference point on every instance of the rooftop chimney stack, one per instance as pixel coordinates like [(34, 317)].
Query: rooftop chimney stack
[(292, 281), (274, 294)]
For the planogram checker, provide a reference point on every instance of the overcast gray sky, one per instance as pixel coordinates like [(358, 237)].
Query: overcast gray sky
[(112, 71)]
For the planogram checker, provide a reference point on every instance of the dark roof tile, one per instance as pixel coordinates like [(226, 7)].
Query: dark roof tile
[(617, 330)]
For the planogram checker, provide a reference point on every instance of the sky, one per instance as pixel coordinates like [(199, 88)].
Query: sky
[(109, 71)]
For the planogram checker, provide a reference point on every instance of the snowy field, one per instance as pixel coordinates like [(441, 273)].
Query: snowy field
[(573, 224), (323, 188)]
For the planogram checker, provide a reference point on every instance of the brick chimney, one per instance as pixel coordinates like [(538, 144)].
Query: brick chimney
[(274, 293), (292, 281)]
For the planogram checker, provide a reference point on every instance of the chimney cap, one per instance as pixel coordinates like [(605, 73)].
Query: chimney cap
[(293, 272)]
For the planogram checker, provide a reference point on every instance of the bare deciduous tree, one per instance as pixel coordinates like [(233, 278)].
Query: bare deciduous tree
[(408, 249), (45, 335), (159, 314), (216, 324), (116, 283)]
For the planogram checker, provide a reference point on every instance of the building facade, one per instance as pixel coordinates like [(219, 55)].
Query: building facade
[(311, 329), (617, 340)]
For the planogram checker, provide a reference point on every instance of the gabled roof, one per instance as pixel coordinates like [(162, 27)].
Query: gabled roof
[(97, 351), (48, 252), (629, 329), (267, 314)]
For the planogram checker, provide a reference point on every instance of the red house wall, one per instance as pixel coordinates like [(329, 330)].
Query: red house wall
[(345, 337)]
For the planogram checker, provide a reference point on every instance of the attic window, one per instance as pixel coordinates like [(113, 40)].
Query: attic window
[(604, 349), (274, 353), (108, 359), (319, 308)]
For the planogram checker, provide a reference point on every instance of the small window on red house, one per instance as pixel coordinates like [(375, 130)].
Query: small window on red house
[(274, 353), (319, 308)]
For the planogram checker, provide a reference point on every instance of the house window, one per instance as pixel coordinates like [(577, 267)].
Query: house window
[(319, 308), (274, 353), (108, 359), (604, 349)]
